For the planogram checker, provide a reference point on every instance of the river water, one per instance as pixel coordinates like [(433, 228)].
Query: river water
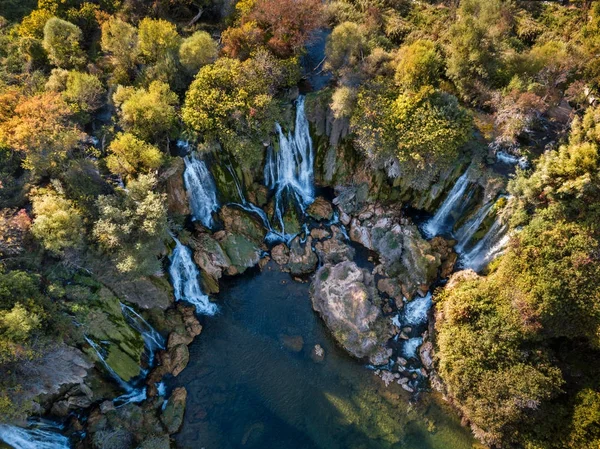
[(252, 382)]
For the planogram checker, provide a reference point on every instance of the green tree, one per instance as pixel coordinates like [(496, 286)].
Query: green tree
[(233, 102), (423, 131), (83, 92), (197, 51), (148, 113), (120, 42), (158, 40), (130, 156), (61, 42), (419, 64), (58, 223), (132, 226), (346, 46)]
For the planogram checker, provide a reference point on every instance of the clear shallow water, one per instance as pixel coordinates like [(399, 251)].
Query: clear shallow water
[(248, 388)]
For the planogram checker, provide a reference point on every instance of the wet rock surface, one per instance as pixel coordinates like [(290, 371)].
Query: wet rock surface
[(345, 297)]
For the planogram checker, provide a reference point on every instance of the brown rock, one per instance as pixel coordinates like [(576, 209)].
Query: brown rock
[(281, 254), (172, 415), (177, 199), (320, 209)]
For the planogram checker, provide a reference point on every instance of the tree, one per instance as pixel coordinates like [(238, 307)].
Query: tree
[(58, 223), (158, 40), (287, 24), (130, 156), (132, 226), (61, 42), (232, 102), (41, 129), (83, 92), (120, 42), (197, 51), (148, 113), (419, 64), (346, 46), (423, 131)]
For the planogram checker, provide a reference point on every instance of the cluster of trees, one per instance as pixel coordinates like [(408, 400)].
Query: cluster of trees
[(93, 96), (512, 63), (515, 345)]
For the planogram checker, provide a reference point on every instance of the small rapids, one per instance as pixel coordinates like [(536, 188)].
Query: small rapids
[(42, 437)]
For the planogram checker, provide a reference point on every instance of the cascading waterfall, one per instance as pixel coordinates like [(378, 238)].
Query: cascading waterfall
[(44, 437), (454, 201), (415, 311), (99, 352), (410, 347), (488, 248), (201, 190), (272, 234), (184, 277), (289, 171), (152, 339), (468, 230)]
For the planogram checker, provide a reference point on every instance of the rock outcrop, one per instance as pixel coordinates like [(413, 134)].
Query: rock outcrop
[(346, 298)]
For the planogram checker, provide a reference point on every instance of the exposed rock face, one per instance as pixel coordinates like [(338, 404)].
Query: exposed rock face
[(59, 373), (175, 359), (403, 252), (147, 292), (426, 355), (335, 249), (172, 415), (320, 209), (177, 199), (447, 255), (105, 323), (211, 259), (345, 297), (241, 251), (303, 259), (281, 254), (240, 222)]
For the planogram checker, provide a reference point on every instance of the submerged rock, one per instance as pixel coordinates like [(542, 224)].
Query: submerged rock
[(346, 299), (172, 415), (293, 343)]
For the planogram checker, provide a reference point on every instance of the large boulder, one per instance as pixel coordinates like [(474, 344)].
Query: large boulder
[(320, 209), (346, 298), (335, 249), (303, 259), (241, 251), (172, 415), (105, 326), (212, 261), (238, 221)]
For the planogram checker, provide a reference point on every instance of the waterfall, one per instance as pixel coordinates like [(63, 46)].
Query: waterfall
[(489, 247), (98, 350), (272, 235), (201, 189), (36, 438), (453, 202), (184, 276), (468, 230), (289, 171), (152, 339)]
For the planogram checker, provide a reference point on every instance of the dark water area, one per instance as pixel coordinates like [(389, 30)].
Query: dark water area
[(252, 382)]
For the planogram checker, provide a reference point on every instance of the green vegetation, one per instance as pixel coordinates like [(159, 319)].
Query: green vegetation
[(94, 96)]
